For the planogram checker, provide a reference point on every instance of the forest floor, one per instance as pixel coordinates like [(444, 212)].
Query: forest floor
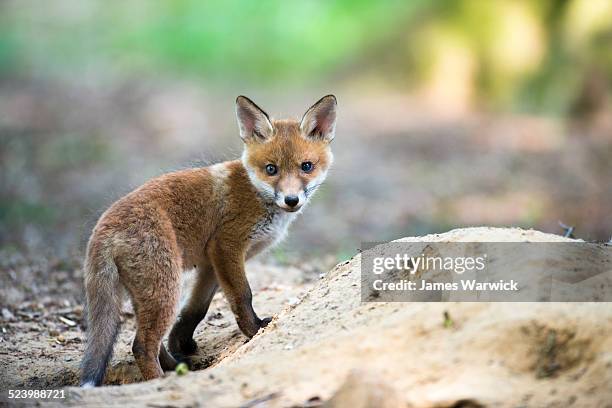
[(325, 346), (42, 322)]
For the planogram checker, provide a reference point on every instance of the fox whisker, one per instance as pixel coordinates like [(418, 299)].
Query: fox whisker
[(311, 189)]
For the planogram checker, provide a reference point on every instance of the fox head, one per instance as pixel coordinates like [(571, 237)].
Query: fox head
[(287, 160)]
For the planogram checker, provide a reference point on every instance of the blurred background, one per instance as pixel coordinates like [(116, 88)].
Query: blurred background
[(451, 113)]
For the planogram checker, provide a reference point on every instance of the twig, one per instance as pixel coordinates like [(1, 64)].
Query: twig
[(569, 230), (260, 400)]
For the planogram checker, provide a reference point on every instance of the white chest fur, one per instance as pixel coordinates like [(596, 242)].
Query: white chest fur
[(269, 231)]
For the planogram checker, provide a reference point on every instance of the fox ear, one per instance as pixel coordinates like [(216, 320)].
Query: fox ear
[(254, 123), (319, 121)]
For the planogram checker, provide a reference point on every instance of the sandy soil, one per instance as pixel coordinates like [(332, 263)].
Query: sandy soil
[(326, 347)]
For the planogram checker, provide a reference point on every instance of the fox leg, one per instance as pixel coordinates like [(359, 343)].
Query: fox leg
[(181, 341), (153, 319), (229, 269), (155, 297), (166, 361)]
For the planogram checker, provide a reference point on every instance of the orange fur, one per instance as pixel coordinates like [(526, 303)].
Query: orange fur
[(213, 218)]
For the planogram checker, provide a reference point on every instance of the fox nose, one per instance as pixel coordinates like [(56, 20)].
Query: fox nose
[(292, 200)]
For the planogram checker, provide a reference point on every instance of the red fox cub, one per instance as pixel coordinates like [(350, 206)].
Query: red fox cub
[(213, 218)]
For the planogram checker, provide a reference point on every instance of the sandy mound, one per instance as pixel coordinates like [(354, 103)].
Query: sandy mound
[(329, 348)]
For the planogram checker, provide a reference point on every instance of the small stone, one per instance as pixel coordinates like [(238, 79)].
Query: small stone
[(7, 314), (67, 322)]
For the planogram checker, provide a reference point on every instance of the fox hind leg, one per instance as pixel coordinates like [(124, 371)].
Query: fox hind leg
[(155, 299), (153, 322)]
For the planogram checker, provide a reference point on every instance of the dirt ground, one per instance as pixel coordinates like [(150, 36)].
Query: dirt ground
[(42, 340), (326, 347)]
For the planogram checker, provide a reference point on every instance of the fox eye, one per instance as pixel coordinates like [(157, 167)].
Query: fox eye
[(271, 169), (307, 167)]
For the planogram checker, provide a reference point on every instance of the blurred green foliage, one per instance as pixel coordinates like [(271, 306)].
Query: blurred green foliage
[(264, 40), (17, 212), (530, 55)]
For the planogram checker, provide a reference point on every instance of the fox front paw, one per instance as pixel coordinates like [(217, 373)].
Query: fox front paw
[(252, 329), (264, 322)]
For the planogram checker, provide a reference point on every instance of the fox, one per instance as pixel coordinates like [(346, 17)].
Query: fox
[(211, 219)]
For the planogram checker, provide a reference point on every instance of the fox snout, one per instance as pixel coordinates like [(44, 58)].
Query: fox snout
[(291, 202), (290, 193)]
